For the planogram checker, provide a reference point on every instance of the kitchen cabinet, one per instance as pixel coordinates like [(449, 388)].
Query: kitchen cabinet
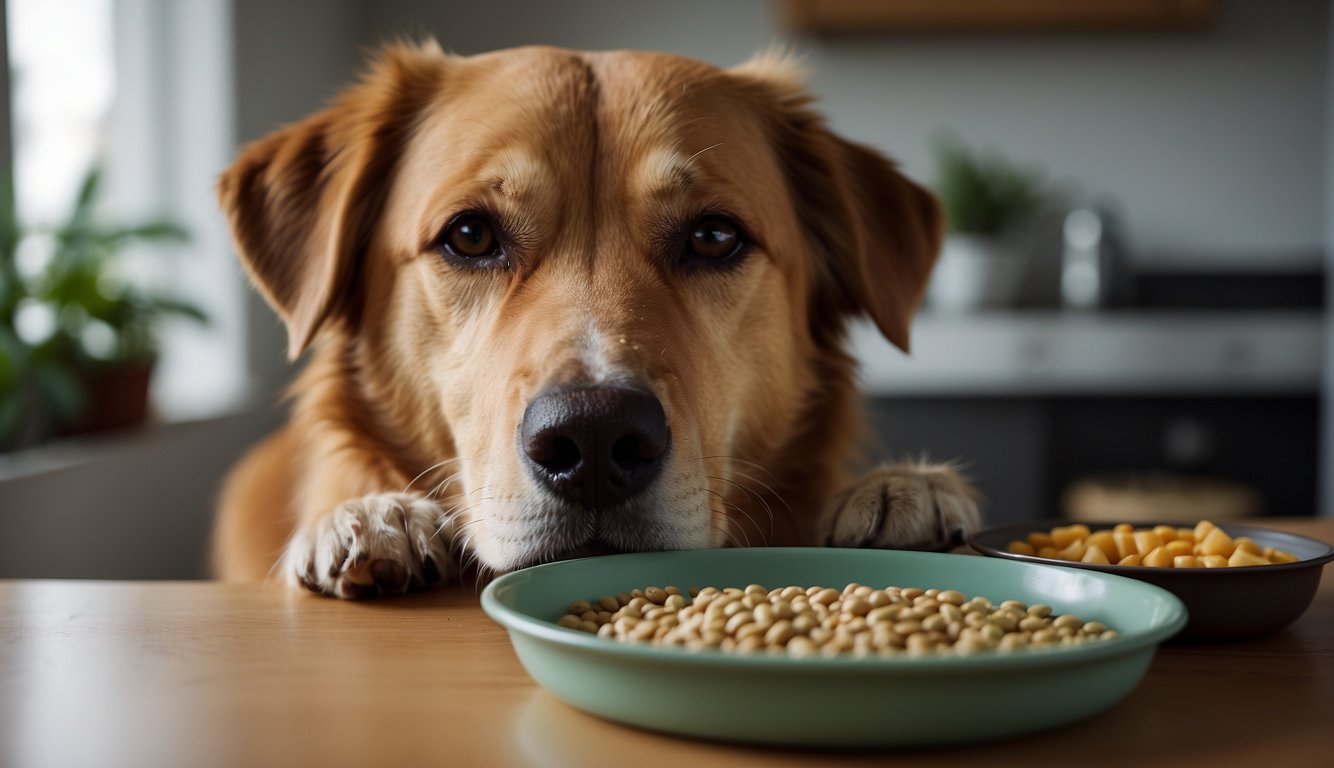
[(1032, 401), (1024, 452)]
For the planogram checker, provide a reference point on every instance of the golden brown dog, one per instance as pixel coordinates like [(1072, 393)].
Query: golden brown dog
[(564, 303)]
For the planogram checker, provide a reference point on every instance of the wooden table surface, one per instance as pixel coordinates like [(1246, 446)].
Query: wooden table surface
[(203, 674)]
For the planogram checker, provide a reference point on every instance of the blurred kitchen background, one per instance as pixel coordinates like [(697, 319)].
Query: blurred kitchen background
[(1132, 320)]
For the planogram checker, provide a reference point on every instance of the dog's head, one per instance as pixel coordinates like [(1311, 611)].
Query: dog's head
[(607, 286)]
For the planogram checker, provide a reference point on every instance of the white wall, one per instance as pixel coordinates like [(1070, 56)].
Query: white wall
[(292, 56), (1208, 139)]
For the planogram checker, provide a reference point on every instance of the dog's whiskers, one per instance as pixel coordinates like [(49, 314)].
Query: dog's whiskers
[(278, 556), (752, 494), (729, 540), (767, 489), (484, 575), (438, 490), (451, 516), (739, 460), (726, 529), (427, 471)]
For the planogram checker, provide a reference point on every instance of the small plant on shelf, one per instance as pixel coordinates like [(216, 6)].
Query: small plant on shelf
[(77, 341), (983, 193), (985, 197)]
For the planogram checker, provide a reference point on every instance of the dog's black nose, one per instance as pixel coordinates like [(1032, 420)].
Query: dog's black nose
[(595, 447)]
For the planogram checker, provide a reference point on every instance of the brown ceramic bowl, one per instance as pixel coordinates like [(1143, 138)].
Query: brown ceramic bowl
[(1223, 603)]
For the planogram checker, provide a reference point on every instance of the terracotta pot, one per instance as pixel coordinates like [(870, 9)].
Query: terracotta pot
[(117, 398)]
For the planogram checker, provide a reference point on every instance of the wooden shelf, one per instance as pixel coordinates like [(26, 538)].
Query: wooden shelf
[(872, 16)]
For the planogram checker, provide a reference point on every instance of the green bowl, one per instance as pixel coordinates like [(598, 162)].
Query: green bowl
[(833, 702)]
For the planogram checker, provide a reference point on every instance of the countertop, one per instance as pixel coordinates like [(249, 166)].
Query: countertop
[(1106, 352), (150, 674)]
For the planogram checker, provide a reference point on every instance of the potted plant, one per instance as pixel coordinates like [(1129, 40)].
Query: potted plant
[(985, 196), (77, 343)]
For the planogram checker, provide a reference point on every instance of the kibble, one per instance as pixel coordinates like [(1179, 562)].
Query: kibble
[(859, 621)]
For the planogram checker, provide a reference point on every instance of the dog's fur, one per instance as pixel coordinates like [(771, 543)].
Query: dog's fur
[(401, 454)]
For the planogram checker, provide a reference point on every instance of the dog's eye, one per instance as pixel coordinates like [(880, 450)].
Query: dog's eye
[(714, 238), (471, 237)]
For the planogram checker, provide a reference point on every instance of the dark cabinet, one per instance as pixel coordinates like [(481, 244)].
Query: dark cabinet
[(1024, 452)]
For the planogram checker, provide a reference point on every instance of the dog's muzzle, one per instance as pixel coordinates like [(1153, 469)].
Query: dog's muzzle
[(595, 447)]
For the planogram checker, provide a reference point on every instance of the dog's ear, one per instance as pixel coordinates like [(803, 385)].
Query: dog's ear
[(301, 202), (875, 233)]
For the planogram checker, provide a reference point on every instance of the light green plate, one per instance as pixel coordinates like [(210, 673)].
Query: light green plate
[(839, 702)]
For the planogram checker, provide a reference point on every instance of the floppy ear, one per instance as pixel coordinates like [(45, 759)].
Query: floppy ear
[(875, 233), (301, 202)]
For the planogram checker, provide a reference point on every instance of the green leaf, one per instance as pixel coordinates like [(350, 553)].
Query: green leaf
[(87, 196), (10, 231), (166, 306), (148, 231), (982, 193)]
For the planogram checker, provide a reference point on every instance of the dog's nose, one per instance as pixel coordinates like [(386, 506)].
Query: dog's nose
[(595, 447)]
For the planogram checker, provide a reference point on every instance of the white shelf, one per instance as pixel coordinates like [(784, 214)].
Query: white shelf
[(1053, 352)]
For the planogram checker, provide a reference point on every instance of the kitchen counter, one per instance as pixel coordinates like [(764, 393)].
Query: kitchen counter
[(148, 674), (1128, 352)]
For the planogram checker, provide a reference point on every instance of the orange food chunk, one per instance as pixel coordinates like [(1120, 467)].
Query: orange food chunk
[(1248, 544), (1129, 560), (1147, 541), (1104, 541), (1125, 543), (1280, 556), (1063, 536), (1213, 561), (1217, 543), (1186, 534), (1123, 528), (1165, 532), (1202, 529), (1094, 555), (1241, 558), (1074, 552), (1179, 548), (1158, 558), (1038, 540), (1020, 548), (1185, 561), (1051, 553)]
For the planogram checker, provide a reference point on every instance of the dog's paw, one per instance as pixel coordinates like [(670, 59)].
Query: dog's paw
[(904, 506), (382, 544)]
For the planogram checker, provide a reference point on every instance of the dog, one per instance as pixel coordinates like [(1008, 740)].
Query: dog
[(563, 304)]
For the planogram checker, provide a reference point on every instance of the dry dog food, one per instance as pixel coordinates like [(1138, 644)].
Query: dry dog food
[(1204, 546), (809, 621)]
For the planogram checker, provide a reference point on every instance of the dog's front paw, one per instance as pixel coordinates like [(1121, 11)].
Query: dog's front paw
[(904, 506), (376, 545)]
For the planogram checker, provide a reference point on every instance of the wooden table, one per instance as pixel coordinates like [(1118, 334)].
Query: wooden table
[(201, 674)]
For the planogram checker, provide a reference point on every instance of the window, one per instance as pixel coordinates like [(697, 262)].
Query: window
[(62, 71), (142, 87)]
